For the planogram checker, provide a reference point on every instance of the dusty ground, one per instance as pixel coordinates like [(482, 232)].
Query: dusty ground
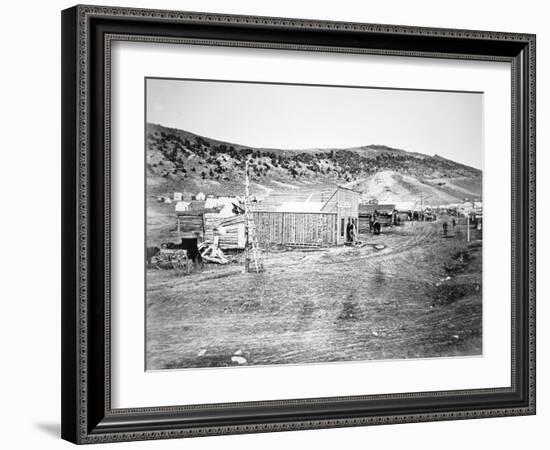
[(419, 296)]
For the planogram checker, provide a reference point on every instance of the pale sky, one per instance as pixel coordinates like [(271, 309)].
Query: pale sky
[(301, 116)]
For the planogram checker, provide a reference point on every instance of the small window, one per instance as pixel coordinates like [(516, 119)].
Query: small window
[(342, 228)]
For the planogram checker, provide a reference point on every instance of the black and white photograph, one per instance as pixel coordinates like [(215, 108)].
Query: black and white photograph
[(295, 224)]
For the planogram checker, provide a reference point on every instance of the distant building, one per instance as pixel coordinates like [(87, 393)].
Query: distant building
[(200, 196), (177, 196), (405, 206), (182, 206), (385, 214)]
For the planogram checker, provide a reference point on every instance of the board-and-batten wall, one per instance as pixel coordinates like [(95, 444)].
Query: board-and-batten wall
[(296, 227)]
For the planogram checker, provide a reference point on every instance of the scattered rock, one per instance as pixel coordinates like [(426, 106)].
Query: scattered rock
[(456, 336), (202, 352), (238, 360), (238, 353), (374, 333)]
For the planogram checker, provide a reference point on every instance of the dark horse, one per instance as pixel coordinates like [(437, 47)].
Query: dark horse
[(191, 246)]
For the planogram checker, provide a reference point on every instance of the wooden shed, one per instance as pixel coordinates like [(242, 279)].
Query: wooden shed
[(231, 230), (189, 222)]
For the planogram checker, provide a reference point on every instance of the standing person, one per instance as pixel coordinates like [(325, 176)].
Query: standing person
[(454, 223), (445, 226), (349, 231)]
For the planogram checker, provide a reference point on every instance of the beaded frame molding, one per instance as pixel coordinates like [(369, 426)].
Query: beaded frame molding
[(87, 35)]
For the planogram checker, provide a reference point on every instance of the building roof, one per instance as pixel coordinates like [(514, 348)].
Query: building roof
[(348, 189), (300, 207), (382, 208)]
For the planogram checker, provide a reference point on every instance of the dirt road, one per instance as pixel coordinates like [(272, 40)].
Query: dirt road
[(419, 296)]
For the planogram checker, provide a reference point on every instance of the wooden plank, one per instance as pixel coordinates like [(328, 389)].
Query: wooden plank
[(295, 227)]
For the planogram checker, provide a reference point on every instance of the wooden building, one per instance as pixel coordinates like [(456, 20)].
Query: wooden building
[(386, 214), (231, 230), (324, 224), (309, 223), (344, 202), (189, 223)]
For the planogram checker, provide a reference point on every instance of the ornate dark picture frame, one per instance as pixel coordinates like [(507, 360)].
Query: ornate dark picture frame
[(87, 34)]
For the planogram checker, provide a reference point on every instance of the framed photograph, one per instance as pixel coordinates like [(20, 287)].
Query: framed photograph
[(267, 222)]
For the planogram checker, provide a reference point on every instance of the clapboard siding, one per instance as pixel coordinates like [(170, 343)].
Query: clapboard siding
[(295, 227)]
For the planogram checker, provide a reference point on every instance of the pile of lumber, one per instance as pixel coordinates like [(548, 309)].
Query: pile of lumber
[(212, 253)]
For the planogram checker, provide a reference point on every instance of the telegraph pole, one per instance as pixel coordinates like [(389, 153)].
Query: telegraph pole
[(252, 246)]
